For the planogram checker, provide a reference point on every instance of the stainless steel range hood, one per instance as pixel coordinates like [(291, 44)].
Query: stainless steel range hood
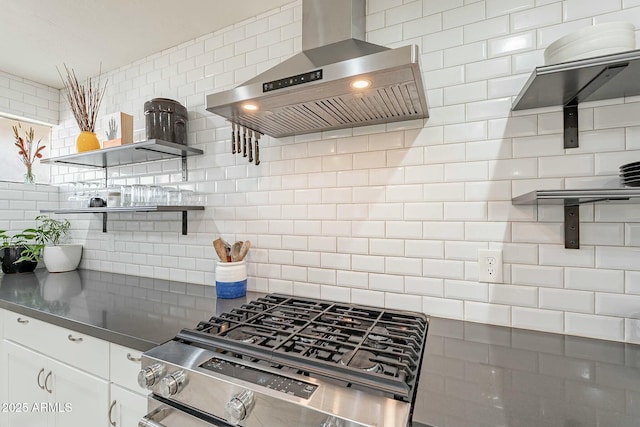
[(313, 90)]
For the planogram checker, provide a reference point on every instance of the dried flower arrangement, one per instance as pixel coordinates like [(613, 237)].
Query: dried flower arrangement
[(84, 99), (27, 151)]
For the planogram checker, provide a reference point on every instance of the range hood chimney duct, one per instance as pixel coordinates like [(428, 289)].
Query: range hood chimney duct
[(316, 90)]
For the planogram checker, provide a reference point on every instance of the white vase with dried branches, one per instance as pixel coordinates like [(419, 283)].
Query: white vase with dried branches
[(84, 101)]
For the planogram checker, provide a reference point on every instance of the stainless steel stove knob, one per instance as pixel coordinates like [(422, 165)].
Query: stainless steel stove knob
[(332, 422), (172, 384), (150, 375), (239, 407)]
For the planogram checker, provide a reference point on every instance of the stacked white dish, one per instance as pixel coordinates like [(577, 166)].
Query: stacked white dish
[(630, 174), (592, 41)]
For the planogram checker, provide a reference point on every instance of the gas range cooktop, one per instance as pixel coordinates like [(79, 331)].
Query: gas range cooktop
[(370, 347), (300, 353)]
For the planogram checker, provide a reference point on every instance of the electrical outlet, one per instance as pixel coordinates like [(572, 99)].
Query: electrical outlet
[(490, 266)]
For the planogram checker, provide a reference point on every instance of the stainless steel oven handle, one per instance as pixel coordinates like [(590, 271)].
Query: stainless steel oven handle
[(153, 418)]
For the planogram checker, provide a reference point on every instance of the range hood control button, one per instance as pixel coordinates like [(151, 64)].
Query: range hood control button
[(172, 384), (239, 407), (150, 375)]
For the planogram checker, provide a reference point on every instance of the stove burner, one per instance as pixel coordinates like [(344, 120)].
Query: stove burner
[(362, 360), (378, 333), (242, 334), (378, 337), (280, 318)]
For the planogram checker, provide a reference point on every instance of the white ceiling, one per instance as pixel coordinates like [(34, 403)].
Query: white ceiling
[(38, 35)]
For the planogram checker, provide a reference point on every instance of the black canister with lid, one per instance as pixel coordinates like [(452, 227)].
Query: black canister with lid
[(166, 119)]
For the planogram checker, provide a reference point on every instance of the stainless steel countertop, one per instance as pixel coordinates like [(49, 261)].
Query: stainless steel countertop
[(473, 375)]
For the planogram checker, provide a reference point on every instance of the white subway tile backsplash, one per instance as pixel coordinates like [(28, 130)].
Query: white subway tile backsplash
[(489, 190), (618, 258), (443, 230), (490, 109), (512, 44), (489, 69), (464, 93), (463, 15), (424, 249), (536, 319), (559, 166), (576, 9), (506, 86), (591, 326), (386, 282), (590, 279), (465, 211), (445, 269), (503, 7), (617, 305), (469, 171), (424, 286), (538, 17), (536, 275), (567, 300), (389, 214), (487, 313)]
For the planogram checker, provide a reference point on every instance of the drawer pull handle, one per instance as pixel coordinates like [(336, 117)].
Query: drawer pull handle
[(113, 423), (46, 381), (133, 359), (72, 338), (23, 321), (38, 379)]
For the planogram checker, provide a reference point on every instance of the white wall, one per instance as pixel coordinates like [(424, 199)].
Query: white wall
[(394, 215), (27, 99)]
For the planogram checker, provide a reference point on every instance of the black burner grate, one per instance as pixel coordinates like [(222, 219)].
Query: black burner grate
[(362, 345)]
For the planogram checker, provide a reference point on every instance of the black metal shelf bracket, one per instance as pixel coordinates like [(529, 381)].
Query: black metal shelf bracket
[(571, 224), (184, 222), (570, 109)]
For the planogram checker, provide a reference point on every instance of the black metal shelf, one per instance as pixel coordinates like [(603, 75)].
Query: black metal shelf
[(569, 83), (106, 210), (572, 199), (138, 152)]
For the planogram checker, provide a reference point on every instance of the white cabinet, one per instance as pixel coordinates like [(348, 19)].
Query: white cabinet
[(78, 350), (66, 378), (128, 399), (46, 392), (25, 372), (127, 408)]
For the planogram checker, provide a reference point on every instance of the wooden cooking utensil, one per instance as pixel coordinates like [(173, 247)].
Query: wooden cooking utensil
[(218, 245), (244, 249), (235, 251)]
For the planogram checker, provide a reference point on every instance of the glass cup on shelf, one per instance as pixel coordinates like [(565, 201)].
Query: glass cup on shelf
[(186, 197), (126, 191), (138, 195), (173, 197), (154, 195)]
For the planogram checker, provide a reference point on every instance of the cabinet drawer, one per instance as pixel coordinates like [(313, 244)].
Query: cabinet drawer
[(79, 350), (125, 365)]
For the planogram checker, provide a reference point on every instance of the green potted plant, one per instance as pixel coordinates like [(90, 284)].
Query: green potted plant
[(57, 255), (19, 253)]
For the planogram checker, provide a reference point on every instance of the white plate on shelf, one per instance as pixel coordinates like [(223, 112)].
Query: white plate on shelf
[(592, 41)]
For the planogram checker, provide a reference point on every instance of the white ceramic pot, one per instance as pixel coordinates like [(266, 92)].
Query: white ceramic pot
[(62, 258)]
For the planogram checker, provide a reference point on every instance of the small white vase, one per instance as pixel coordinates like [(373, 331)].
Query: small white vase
[(62, 258)]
